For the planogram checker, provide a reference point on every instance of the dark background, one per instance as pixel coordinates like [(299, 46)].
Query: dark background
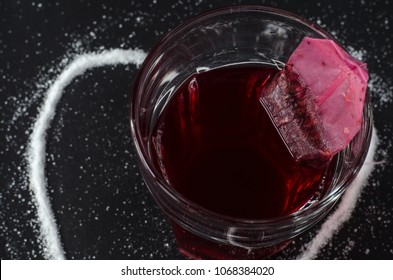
[(102, 207)]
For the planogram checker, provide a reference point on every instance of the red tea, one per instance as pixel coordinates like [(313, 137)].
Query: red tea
[(216, 145)]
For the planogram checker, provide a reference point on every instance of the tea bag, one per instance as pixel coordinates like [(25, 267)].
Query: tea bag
[(316, 101)]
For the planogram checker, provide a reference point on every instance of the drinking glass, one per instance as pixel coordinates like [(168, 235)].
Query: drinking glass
[(229, 36)]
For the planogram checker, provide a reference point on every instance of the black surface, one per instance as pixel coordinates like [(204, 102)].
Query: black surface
[(101, 205)]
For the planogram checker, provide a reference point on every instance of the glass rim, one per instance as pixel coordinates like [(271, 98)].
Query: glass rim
[(230, 9)]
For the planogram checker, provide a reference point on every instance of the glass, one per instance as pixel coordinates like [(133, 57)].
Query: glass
[(222, 37)]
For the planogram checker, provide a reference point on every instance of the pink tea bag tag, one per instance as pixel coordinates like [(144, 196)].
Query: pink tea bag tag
[(317, 100)]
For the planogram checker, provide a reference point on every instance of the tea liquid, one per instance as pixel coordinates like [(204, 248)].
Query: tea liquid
[(216, 145)]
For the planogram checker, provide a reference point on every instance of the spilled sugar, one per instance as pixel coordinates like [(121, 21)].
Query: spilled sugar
[(36, 150)]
